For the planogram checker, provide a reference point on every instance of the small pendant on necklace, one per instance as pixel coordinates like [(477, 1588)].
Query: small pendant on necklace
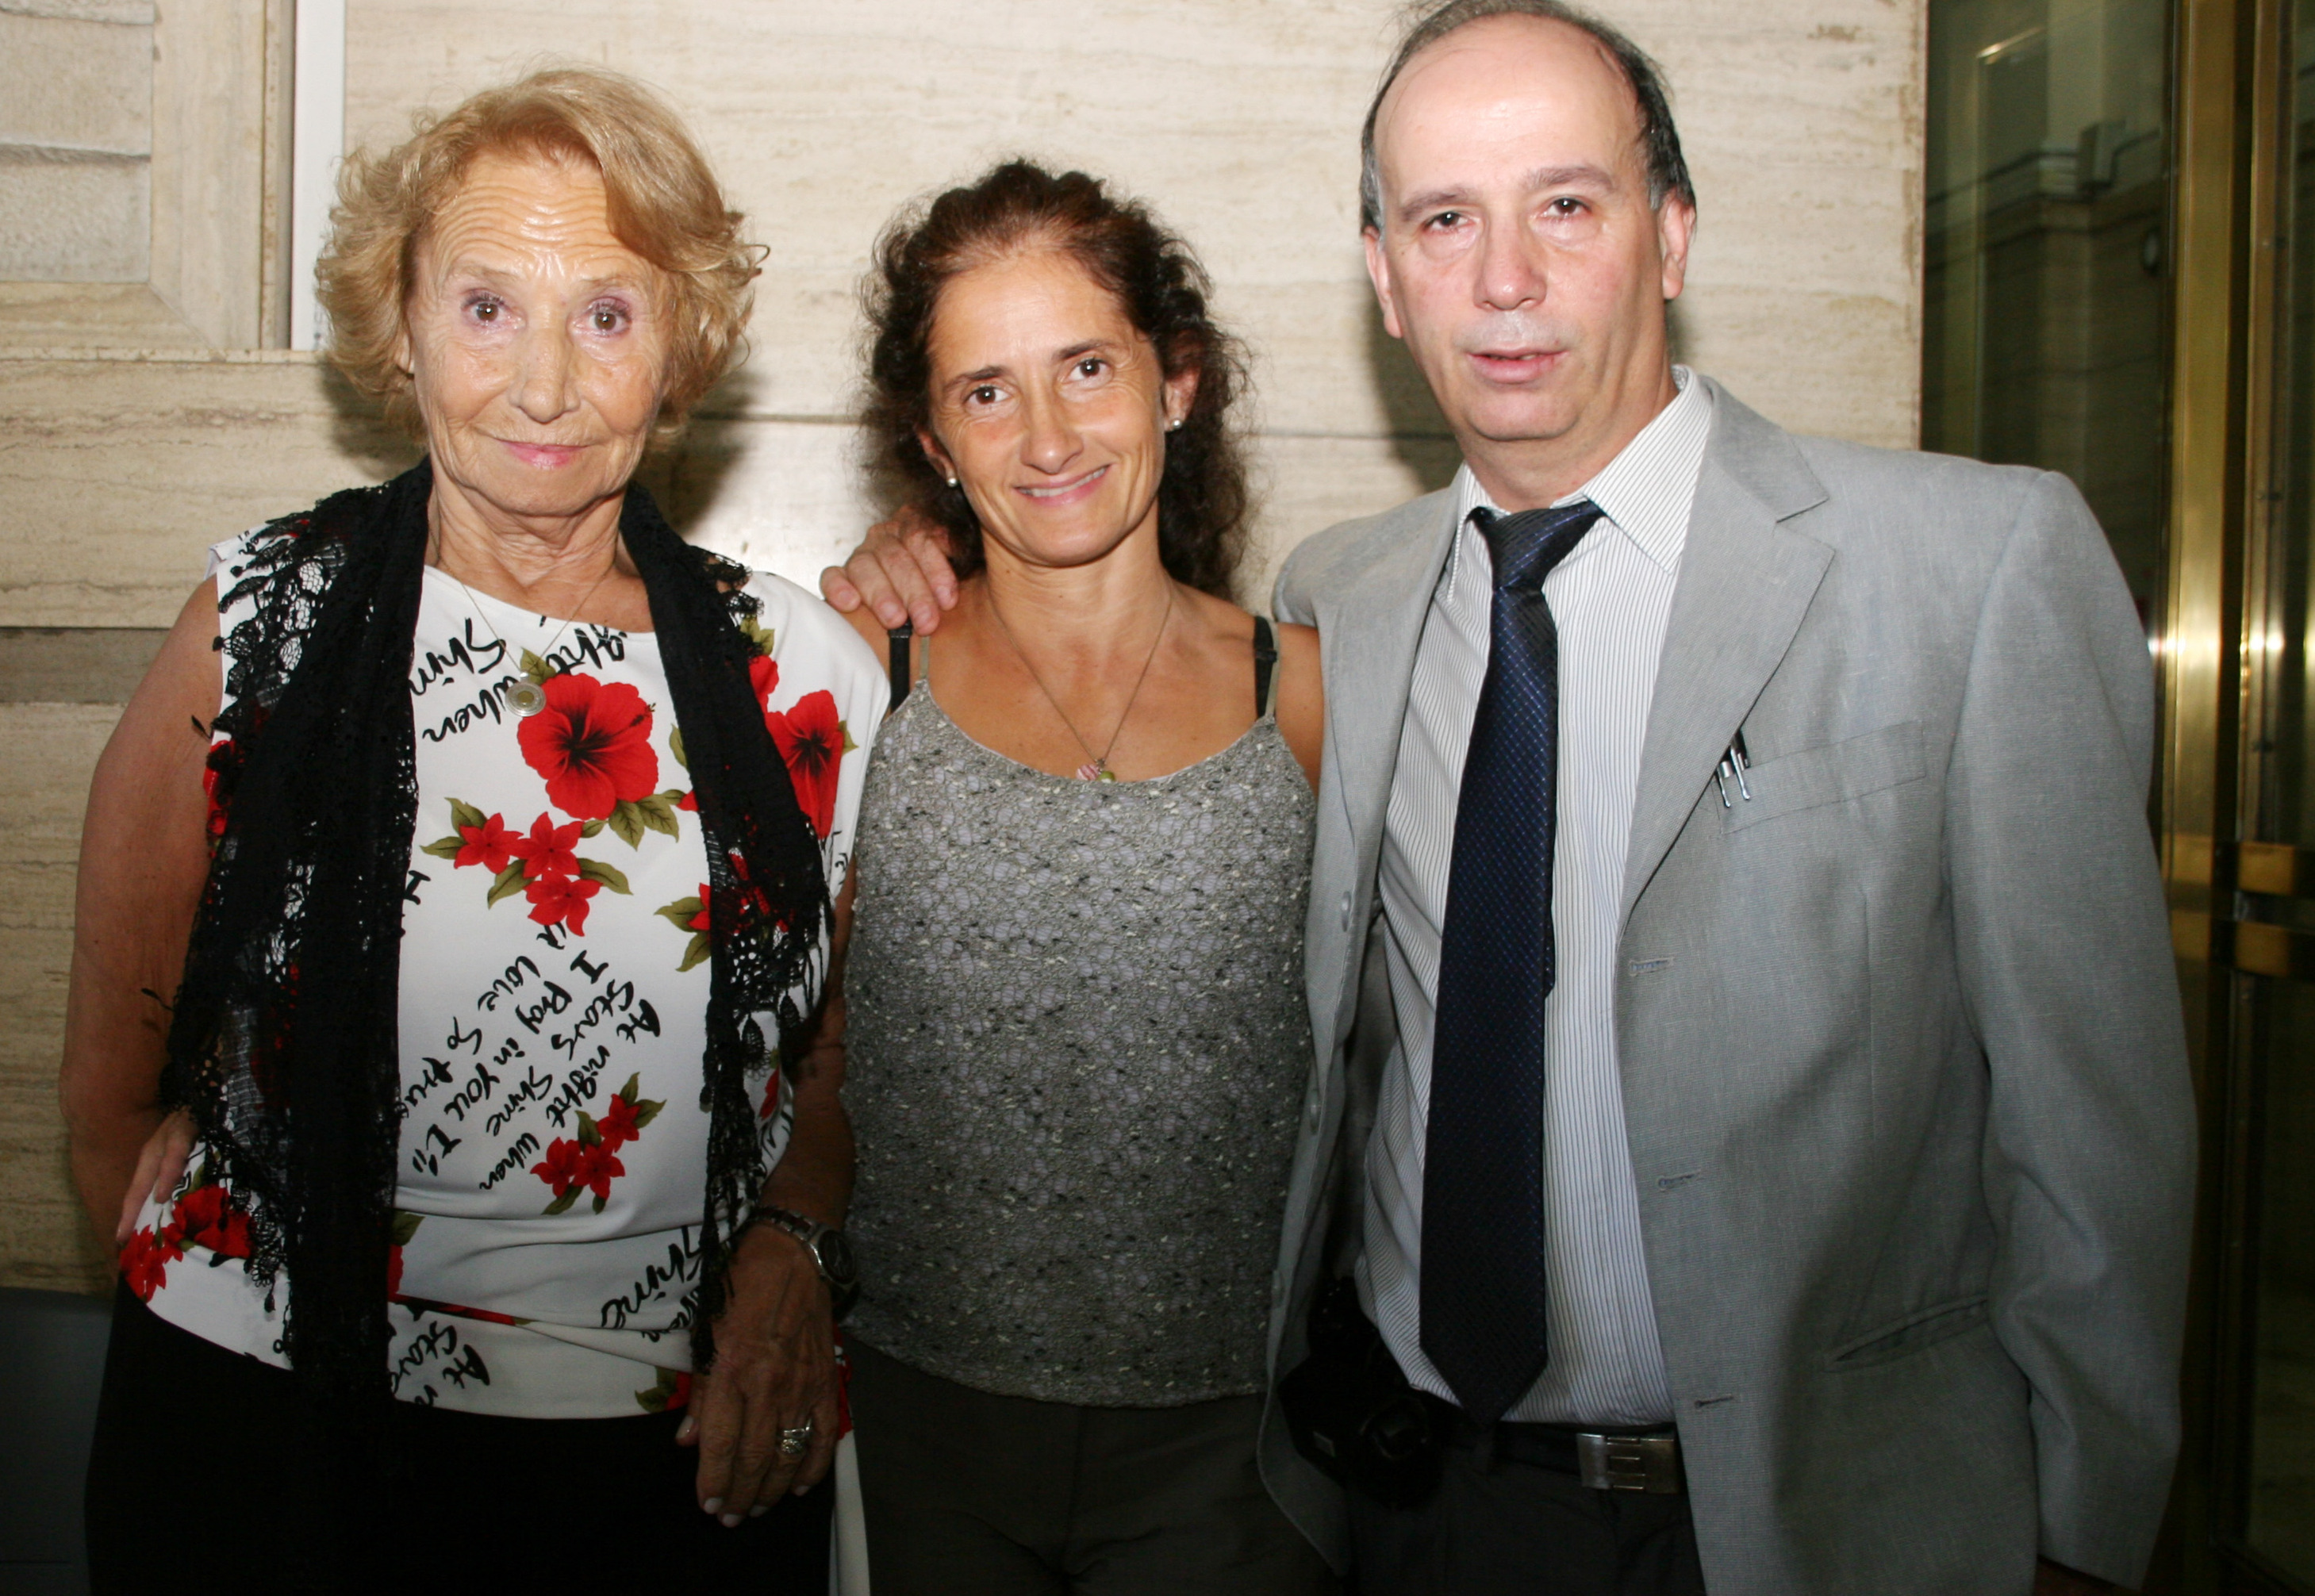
[(528, 697), (1098, 771)]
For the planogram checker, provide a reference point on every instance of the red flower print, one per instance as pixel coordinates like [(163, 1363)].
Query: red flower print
[(459, 1310), (144, 1263), (561, 899), (405, 1228), (560, 1167), (623, 1116), (219, 776), (597, 1166), (771, 1097), (592, 745), (752, 896), (546, 852), (488, 845), (204, 1218), (573, 1166), (810, 737), (617, 1126)]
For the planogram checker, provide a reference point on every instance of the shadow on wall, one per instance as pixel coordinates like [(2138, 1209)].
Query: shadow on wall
[(688, 476), (1418, 433), (93, 1266), (361, 433)]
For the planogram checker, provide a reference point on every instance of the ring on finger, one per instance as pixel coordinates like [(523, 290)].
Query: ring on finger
[(794, 1441)]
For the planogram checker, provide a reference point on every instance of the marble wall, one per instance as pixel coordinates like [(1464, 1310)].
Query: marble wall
[(1236, 120), (76, 123)]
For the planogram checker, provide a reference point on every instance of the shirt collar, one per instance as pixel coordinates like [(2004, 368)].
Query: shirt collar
[(1648, 491)]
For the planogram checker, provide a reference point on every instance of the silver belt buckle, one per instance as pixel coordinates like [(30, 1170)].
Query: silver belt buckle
[(1649, 1463)]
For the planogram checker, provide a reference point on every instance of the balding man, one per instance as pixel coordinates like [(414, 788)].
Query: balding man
[(1817, 1222), (1751, 1102)]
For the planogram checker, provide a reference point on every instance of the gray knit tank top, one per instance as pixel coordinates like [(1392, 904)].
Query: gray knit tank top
[(1076, 1047)]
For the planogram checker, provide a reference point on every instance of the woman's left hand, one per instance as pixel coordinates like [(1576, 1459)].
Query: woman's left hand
[(159, 1167), (774, 1370)]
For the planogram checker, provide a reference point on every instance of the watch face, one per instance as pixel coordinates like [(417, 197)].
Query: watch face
[(835, 1254)]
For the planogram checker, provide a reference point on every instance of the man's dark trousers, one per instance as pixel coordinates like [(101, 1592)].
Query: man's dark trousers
[(1499, 1527)]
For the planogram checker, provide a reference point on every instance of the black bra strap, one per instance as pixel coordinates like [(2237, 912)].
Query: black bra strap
[(1266, 660), (897, 642)]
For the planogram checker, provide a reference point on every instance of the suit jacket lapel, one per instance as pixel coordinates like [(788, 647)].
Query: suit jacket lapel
[(1371, 637), (1745, 581)]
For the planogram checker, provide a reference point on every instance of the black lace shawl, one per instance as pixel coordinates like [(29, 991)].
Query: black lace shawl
[(283, 1044)]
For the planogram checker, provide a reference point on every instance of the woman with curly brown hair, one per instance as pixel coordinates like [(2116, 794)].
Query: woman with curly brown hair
[(1078, 1040), (474, 941)]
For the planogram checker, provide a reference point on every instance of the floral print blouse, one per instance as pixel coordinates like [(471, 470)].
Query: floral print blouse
[(554, 979)]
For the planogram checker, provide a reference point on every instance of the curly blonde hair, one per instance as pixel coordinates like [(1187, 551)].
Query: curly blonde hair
[(665, 205)]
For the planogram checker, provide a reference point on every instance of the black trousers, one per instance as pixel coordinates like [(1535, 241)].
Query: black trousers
[(970, 1494), (1499, 1527), (193, 1483)]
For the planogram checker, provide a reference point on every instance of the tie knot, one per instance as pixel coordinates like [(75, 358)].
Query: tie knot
[(1526, 545)]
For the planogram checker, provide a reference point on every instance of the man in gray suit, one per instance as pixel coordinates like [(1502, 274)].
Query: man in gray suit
[(1750, 1097)]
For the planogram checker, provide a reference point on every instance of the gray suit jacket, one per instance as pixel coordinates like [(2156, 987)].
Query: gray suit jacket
[(1903, 1067)]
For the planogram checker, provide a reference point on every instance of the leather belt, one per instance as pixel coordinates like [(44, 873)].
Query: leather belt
[(1645, 1460)]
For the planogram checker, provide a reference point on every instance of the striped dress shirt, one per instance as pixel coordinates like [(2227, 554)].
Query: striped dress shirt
[(1611, 598)]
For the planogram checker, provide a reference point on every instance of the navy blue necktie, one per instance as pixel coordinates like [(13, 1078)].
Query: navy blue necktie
[(1483, 1294)]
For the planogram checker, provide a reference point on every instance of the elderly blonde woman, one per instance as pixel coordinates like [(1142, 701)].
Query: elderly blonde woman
[(463, 883)]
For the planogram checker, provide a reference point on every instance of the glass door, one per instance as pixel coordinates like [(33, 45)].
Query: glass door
[(2045, 318), (2266, 1517)]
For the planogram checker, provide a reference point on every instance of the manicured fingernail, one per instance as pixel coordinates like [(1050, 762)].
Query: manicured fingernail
[(760, 1510), (711, 1506), (687, 1429), (731, 1520)]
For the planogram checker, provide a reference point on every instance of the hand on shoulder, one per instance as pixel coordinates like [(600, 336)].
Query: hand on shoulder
[(900, 573)]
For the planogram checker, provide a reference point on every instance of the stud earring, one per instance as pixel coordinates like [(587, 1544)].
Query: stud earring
[(951, 482), (1175, 425)]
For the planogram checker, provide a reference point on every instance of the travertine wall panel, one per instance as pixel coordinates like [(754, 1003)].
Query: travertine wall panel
[(75, 146), (75, 85), (175, 453), (43, 785), (75, 219), (1802, 129), (1238, 121), (39, 316), (118, 474)]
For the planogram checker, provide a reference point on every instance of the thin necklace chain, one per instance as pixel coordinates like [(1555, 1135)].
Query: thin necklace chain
[(546, 654), (1096, 767)]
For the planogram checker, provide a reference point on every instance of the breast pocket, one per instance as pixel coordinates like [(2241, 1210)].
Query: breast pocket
[(1835, 773)]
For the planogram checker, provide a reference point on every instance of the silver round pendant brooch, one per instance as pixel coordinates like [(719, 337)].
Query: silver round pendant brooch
[(528, 697)]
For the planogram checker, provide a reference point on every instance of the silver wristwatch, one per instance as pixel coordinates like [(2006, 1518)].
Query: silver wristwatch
[(828, 1249)]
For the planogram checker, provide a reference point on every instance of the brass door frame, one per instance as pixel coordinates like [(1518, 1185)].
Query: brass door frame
[(2230, 247)]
